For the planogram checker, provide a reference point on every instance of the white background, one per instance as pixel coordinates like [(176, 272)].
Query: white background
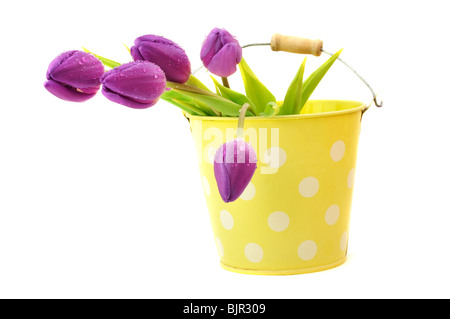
[(101, 201)]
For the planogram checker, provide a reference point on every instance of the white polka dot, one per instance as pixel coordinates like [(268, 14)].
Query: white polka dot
[(337, 151), (344, 240), (253, 252), (308, 187), (278, 221), (351, 178), (219, 246), (307, 250), (206, 185), (226, 219), (275, 157), (249, 192), (332, 215)]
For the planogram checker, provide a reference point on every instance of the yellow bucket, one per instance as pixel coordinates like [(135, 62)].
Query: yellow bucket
[(294, 215)]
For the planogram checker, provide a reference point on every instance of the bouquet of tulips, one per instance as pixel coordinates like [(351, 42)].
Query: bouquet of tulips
[(161, 70)]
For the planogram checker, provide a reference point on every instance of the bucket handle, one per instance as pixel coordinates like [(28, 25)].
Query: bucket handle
[(301, 45)]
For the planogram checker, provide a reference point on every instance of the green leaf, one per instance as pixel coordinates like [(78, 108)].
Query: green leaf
[(186, 103), (254, 89), (107, 62), (193, 81), (293, 98), (219, 103), (234, 96), (189, 88), (313, 80), (183, 106), (272, 109)]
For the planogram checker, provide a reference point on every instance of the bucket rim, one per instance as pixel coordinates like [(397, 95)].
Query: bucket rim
[(358, 108)]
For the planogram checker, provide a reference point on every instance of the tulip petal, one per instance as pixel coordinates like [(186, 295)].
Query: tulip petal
[(67, 93), (142, 82), (77, 69), (136, 84), (170, 58), (117, 98), (135, 54), (222, 178), (153, 38), (57, 62), (209, 46), (221, 52), (221, 64), (234, 166), (168, 55)]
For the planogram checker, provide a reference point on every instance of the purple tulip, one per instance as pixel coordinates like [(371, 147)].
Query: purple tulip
[(234, 166), (168, 55), (74, 76), (136, 84), (221, 52)]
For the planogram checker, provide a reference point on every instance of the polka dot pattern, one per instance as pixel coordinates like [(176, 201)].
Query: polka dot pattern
[(294, 218), (219, 247), (308, 187), (253, 252), (275, 157), (332, 215), (307, 250), (337, 151), (351, 178), (249, 192), (226, 219), (278, 221)]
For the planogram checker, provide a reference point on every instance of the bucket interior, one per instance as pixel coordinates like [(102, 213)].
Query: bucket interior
[(325, 106)]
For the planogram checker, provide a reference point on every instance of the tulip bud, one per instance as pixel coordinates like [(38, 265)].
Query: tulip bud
[(234, 166), (168, 55), (136, 84), (74, 76), (221, 52)]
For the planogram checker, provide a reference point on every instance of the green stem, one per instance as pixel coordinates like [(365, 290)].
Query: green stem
[(189, 88), (184, 106), (225, 82), (107, 62), (240, 128), (184, 87)]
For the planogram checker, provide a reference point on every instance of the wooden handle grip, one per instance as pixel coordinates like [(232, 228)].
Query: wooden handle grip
[(296, 44)]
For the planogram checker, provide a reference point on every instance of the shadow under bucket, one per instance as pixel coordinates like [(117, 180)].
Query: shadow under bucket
[(294, 215)]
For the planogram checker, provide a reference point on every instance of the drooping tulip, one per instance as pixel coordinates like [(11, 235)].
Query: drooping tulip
[(168, 55), (234, 166), (74, 76), (136, 84), (221, 52)]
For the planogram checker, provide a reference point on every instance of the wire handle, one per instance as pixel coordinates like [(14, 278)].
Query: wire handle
[(300, 45)]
